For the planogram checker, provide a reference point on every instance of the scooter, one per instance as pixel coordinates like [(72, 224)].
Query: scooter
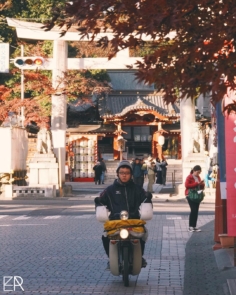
[(125, 253)]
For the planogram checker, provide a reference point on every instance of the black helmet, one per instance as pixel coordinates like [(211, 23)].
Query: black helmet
[(125, 164)]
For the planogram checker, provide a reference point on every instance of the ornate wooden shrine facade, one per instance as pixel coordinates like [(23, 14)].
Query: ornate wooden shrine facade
[(142, 118)]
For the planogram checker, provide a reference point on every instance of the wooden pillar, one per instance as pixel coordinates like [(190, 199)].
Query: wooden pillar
[(116, 153), (220, 215), (154, 144), (179, 149)]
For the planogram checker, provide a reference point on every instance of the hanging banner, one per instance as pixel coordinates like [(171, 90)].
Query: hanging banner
[(4, 57), (221, 149), (230, 152)]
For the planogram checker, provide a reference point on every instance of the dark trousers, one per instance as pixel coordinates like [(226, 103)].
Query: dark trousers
[(159, 177), (139, 180), (193, 213), (164, 176), (106, 242), (97, 178)]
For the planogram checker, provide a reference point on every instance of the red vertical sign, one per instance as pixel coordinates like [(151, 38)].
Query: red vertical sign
[(230, 150)]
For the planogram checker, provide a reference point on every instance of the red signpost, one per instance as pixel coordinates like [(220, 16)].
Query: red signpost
[(230, 150)]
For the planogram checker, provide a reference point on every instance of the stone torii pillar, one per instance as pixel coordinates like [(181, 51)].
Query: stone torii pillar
[(187, 117), (58, 113)]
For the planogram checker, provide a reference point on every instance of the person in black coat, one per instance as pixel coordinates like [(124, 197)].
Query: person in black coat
[(159, 171), (98, 172), (123, 194), (164, 165)]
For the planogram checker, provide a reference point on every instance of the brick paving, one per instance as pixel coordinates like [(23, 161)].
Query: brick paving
[(64, 255), (205, 271)]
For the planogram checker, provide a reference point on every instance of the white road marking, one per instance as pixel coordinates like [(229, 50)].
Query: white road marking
[(52, 217), (2, 216), (85, 216), (22, 224), (23, 217), (177, 217), (10, 206)]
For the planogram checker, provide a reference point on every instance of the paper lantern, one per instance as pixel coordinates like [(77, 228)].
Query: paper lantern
[(161, 139)]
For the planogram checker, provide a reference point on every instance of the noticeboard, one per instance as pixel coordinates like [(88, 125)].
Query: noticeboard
[(4, 57)]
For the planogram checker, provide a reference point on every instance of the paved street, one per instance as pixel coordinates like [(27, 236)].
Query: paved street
[(56, 248)]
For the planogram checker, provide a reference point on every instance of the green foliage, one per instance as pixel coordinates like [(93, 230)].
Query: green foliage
[(72, 50), (47, 48), (27, 10), (99, 75), (142, 50)]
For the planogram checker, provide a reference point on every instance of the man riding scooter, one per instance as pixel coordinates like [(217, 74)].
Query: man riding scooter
[(123, 194)]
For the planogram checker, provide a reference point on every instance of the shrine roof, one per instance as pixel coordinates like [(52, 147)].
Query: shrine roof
[(119, 105), (92, 129)]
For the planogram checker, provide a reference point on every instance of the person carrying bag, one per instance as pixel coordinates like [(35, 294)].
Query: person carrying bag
[(194, 194)]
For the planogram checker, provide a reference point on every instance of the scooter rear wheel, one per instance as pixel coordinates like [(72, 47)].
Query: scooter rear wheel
[(126, 266)]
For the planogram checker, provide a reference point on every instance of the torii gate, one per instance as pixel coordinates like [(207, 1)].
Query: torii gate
[(60, 63)]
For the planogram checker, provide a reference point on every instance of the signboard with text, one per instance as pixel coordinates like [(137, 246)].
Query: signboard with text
[(4, 57)]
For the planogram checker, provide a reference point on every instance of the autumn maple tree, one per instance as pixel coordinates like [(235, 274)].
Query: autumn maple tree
[(193, 42), (77, 85)]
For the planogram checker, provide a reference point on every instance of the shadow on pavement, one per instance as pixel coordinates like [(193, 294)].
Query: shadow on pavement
[(201, 275)]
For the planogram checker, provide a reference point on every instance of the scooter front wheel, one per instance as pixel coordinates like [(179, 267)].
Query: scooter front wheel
[(126, 266), (113, 257), (137, 259)]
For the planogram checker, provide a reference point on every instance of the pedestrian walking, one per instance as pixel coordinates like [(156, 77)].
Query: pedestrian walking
[(164, 165), (193, 181), (159, 171), (151, 176), (132, 161), (208, 179), (137, 172), (144, 169), (98, 172), (104, 170)]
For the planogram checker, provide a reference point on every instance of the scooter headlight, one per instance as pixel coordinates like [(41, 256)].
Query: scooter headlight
[(124, 215), (124, 233)]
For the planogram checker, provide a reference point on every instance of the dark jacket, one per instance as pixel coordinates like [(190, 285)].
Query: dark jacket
[(119, 196), (104, 168), (164, 165), (137, 170), (98, 169)]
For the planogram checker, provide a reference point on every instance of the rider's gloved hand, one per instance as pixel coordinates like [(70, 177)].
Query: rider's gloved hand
[(97, 202), (149, 197)]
